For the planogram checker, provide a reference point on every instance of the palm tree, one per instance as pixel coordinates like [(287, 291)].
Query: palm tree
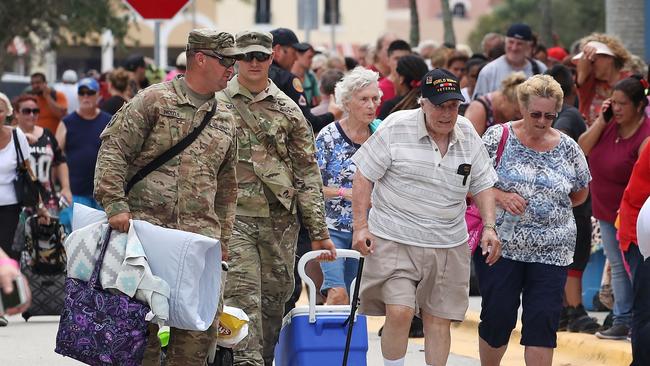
[(447, 23), (415, 24), (546, 33), (627, 21)]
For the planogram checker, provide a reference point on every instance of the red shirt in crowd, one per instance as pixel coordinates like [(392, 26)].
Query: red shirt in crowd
[(592, 93), (635, 195), (388, 90), (611, 162)]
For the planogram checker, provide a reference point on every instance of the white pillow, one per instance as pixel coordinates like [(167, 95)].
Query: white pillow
[(190, 263)]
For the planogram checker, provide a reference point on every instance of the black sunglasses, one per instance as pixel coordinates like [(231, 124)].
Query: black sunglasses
[(27, 111), (224, 61), (86, 93), (259, 56)]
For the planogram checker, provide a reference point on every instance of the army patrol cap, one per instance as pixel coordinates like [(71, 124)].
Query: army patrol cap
[(206, 39), (254, 41)]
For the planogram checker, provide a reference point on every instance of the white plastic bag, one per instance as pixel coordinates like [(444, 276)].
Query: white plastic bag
[(233, 327)]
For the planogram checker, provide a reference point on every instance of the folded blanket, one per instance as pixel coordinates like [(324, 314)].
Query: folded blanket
[(189, 263), (125, 266)]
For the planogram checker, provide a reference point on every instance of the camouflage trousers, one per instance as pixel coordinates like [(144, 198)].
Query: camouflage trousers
[(186, 347), (260, 280)]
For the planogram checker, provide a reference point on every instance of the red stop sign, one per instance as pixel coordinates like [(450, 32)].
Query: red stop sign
[(157, 9)]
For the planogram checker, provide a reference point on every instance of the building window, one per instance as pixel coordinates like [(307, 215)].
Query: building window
[(263, 11), (332, 12), (459, 10)]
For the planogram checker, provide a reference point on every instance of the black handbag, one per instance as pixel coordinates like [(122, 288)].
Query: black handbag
[(25, 184)]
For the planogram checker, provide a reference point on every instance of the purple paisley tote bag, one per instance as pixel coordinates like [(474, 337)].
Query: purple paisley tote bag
[(98, 327)]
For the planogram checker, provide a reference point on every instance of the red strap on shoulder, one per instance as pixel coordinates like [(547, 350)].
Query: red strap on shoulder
[(505, 131)]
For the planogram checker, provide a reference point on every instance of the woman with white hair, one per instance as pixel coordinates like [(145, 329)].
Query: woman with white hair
[(359, 95)]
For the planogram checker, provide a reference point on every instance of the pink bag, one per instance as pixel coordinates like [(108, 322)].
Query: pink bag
[(473, 215)]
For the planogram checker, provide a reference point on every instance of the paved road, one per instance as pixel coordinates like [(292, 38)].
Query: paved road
[(32, 343)]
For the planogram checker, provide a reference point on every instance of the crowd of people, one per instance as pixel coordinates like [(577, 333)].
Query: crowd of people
[(380, 153)]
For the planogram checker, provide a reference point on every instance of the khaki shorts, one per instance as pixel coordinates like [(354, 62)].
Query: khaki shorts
[(433, 280)]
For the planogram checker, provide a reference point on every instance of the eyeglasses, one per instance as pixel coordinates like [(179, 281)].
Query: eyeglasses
[(224, 61), (86, 93), (28, 111), (259, 56), (547, 116)]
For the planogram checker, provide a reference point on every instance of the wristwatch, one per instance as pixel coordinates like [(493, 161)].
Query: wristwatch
[(490, 226)]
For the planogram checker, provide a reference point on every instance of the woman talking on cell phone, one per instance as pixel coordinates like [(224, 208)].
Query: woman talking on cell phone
[(613, 144)]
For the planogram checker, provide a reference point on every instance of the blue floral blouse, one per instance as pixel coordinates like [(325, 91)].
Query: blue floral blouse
[(546, 233), (334, 150)]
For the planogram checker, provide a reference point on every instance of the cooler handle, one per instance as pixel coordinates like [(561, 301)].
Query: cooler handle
[(340, 253)]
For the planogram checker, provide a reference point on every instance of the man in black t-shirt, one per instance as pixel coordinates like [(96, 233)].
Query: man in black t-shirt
[(285, 45)]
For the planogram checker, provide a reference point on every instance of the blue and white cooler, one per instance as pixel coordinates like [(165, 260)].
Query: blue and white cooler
[(316, 335)]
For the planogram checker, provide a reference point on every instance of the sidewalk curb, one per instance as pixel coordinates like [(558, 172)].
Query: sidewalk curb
[(585, 347)]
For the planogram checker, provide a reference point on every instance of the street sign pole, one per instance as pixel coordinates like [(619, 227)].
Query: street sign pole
[(307, 16), (156, 44)]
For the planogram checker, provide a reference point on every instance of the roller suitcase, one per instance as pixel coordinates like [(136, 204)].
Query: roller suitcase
[(322, 335), (48, 291), (43, 263)]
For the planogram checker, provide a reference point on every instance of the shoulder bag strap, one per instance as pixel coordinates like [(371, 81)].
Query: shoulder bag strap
[(21, 167), (20, 159), (502, 143), (173, 151), (534, 66), (251, 122), (94, 281)]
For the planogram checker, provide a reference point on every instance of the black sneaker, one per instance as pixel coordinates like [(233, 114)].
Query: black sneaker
[(617, 331), (3, 321), (580, 321)]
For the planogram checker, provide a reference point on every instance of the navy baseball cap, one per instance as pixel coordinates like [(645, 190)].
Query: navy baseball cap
[(520, 31), (439, 86), (286, 37)]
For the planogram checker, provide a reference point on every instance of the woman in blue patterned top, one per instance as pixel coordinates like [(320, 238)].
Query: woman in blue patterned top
[(542, 175), (359, 95)]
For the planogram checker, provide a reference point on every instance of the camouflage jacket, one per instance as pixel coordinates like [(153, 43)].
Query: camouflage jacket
[(195, 191), (283, 164)]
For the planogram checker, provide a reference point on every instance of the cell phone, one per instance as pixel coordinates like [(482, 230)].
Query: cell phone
[(608, 114), (16, 298)]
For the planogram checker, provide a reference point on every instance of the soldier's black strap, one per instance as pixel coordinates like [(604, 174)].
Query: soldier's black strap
[(173, 151)]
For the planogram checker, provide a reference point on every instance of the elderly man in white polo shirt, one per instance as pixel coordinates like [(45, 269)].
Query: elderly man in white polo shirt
[(419, 167)]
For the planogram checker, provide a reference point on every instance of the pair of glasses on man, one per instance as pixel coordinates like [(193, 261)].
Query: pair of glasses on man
[(86, 93), (547, 116), (28, 111), (259, 56), (223, 60)]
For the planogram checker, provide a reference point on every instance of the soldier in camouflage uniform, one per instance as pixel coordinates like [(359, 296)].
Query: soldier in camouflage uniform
[(277, 176), (196, 190)]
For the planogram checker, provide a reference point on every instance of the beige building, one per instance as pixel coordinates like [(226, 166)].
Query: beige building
[(360, 21)]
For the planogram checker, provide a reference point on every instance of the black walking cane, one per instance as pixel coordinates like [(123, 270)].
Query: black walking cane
[(354, 304)]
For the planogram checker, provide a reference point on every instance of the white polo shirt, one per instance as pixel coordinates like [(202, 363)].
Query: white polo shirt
[(419, 196)]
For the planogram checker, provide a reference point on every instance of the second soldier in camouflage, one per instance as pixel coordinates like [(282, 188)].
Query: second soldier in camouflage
[(277, 177)]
